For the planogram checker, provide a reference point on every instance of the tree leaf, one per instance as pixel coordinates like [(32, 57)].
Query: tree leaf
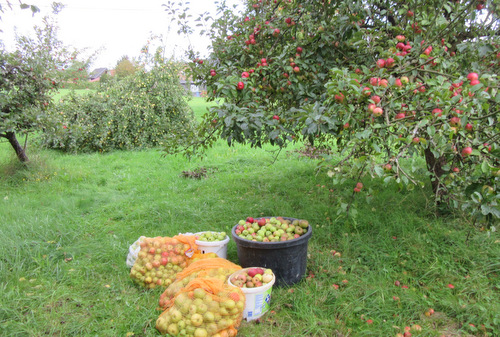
[(486, 209)]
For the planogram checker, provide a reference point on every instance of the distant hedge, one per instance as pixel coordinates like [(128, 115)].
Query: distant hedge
[(138, 111)]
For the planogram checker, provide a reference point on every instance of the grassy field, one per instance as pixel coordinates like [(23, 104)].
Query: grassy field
[(67, 222), (63, 92)]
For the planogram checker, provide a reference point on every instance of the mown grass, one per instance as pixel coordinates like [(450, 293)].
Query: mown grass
[(63, 92), (67, 222)]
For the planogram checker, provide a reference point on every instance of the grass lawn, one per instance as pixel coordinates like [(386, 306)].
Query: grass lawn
[(63, 92), (67, 222)]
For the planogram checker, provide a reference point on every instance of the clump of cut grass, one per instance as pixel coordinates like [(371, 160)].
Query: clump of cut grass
[(198, 173)]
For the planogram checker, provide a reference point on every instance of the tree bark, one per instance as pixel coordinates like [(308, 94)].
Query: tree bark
[(435, 167), (20, 152)]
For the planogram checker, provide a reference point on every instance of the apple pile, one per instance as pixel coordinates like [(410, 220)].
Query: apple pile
[(251, 277), (271, 229), (159, 261), (211, 236), (201, 313), (200, 269)]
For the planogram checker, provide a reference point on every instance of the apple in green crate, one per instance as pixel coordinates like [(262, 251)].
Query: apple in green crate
[(271, 229)]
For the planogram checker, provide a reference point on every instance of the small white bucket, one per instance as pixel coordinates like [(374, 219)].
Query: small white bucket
[(217, 247), (258, 299)]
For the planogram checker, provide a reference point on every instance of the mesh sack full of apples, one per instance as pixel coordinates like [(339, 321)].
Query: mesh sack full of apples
[(161, 258), (204, 307), (216, 268)]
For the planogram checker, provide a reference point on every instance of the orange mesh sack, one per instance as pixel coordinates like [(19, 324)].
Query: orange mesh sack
[(161, 258), (217, 268), (199, 256), (205, 307)]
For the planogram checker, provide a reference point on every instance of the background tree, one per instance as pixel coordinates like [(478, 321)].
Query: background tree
[(377, 80), (27, 77), (125, 67), (141, 110)]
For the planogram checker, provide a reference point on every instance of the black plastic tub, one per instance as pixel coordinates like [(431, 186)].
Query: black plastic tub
[(287, 259)]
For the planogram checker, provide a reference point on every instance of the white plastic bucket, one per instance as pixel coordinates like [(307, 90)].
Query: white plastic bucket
[(217, 247), (258, 299)]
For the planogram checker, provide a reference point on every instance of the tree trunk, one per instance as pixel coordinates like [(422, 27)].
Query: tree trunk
[(20, 152), (435, 167)]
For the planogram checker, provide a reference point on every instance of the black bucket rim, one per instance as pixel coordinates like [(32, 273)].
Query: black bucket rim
[(272, 245)]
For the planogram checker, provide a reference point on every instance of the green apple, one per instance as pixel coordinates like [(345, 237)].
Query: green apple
[(196, 319)]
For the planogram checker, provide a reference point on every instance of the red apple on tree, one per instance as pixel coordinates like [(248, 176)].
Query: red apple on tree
[(383, 83), (378, 111), (467, 151), (437, 112), (455, 121), (375, 99), (340, 97), (472, 76)]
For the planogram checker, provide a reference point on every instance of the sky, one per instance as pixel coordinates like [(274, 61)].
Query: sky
[(115, 28)]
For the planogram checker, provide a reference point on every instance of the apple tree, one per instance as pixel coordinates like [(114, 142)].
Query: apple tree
[(140, 110), (379, 81), (27, 77)]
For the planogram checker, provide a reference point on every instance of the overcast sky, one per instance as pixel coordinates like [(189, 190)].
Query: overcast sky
[(116, 27)]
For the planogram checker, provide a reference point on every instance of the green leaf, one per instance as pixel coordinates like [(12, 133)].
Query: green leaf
[(485, 168), (472, 188), (485, 50), (487, 209), (379, 171), (431, 130)]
